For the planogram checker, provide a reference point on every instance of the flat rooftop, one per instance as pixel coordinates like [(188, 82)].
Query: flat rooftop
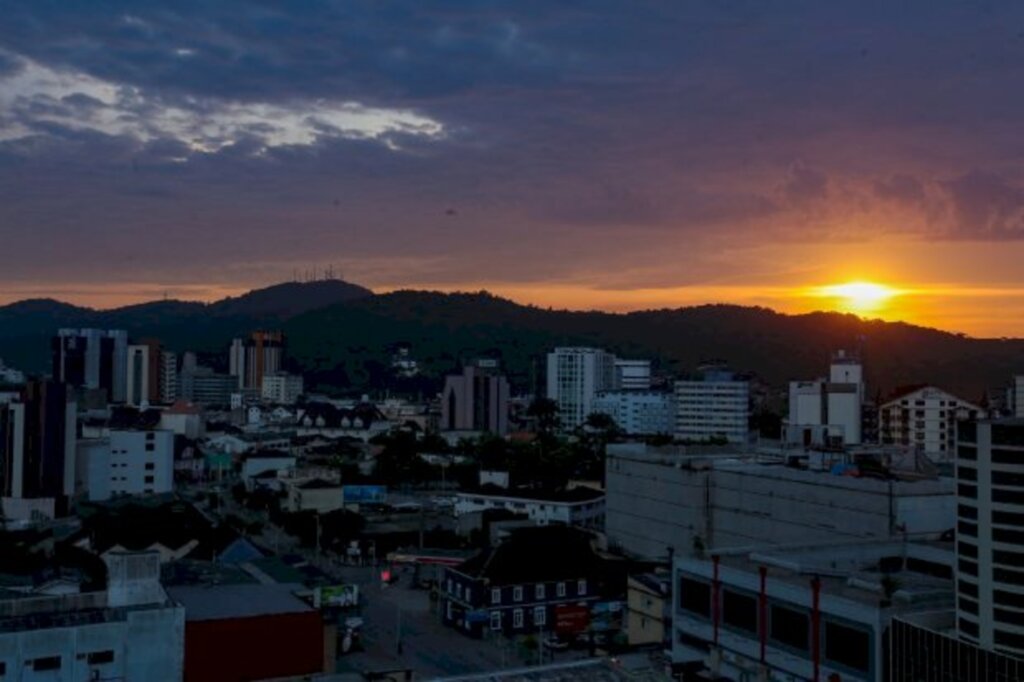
[(215, 602)]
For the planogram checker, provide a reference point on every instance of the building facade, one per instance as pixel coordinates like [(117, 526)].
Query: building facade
[(926, 418), (127, 463), (145, 371), (632, 375), (715, 406), (94, 359), (282, 388), (476, 400), (574, 378), (251, 359), (638, 412), (581, 507), (990, 535)]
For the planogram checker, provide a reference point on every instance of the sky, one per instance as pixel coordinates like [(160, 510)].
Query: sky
[(600, 154)]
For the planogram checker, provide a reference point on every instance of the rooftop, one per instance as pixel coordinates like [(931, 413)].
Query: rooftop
[(215, 602), (580, 494)]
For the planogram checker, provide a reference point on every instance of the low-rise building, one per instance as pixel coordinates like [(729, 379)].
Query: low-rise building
[(526, 583), (639, 413), (813, 613), (313, 494), (649, 609), (583, 507), (130, 631), (282, 388)]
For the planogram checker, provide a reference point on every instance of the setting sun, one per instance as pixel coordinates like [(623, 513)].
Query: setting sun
[(859, 297)]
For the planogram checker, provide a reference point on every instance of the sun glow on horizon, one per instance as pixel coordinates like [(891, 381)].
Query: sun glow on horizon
[(859, 297)]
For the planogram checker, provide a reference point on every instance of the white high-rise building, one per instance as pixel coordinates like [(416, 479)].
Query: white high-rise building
[(639, 413), (92, 359), (126, 463), (712, 407), (282, 388), (236, 361), (575, 376), (139, 384), (632, 375), (924, 417), (990, 534)]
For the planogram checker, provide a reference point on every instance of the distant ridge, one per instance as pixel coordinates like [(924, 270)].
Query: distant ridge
[(341, 335)]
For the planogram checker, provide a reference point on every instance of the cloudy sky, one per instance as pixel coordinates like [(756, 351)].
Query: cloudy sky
[(615, 155)]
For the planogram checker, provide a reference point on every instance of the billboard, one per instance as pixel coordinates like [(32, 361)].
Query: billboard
[(354, 494), (571, 619), (342, 596)]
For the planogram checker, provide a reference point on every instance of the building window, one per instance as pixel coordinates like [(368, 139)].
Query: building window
[(468, 594), (517, 618), (150, 466), (496, 595), (538, 591), (458, 590), (581, 587), (148, 480), (495, 620), (150, 447), (449, 585), (847, 646), (517, 593), (101, 657), (695, 597), (739, 611), (539, 615), (560, 589), (789, 627), (46, 663)]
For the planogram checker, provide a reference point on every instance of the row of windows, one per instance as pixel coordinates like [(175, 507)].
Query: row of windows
[(844, 645), (46, 663), (539, 591), (539, 618)]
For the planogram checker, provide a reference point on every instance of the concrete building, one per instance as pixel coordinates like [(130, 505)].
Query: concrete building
[(714, 406), (574, 378), (144, 374), (828, 411), (202, 386), (94, 359), (664, 501), (251, 359), (168, 377), (312, 494), (583, 507), (990, 535), (638, 412), (476, 400), (649, 609), (803, 613), (37, 450), (282, 388), (127, 463), (925, 646), (925, 417), (632, 375), (130, 631)]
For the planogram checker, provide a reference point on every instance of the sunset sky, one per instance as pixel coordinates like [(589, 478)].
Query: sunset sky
[(591, 154)]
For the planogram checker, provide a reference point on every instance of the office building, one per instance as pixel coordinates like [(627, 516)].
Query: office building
[(92, 359), (924, 417), (638, 412), (632, 375), (37, 450), (990, 535), (130, 631), (476, 400), (715, 406), (202, 386), (249, 360), (574, 378), (281, 388)]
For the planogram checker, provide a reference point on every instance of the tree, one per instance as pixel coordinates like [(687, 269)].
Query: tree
[(545, 411)]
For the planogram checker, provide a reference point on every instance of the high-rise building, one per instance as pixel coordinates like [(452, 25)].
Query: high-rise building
[(1017, 394), (282, 388), (92, 359), (203, 386), (990, 534), (476, 400), (575, 376), (37, 444), (144, 373), (716, 405), (925, 418), (639, 413), (251, 359), (168, 377)]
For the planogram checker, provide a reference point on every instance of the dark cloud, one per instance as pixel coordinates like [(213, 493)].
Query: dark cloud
[(564, 124), (986, 206)]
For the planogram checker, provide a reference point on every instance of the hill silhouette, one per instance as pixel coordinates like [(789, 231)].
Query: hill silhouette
[(342, 335)]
